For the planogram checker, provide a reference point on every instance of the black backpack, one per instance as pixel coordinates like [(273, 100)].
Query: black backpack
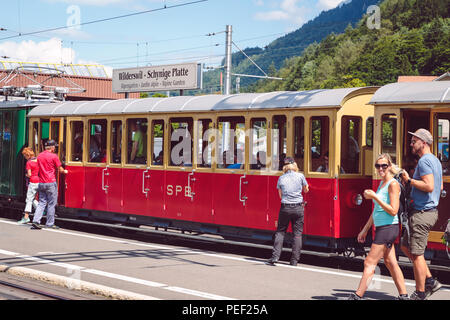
[(403, 207)]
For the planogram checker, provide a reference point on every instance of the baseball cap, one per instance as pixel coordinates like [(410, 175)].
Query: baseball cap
[(289, 160), (51, 143), (424, 135)]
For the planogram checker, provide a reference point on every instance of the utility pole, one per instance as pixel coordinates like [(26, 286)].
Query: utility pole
[(228, 60)]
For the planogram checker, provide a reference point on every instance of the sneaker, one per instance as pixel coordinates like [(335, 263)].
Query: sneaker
[(432, 287), (36, 225), (403, 297), (354, 296), (52, 227), (271, 262), (293, 263), (24, 221), (416, 295)]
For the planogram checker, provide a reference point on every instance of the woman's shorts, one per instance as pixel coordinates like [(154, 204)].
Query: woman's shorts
[(386, 234)]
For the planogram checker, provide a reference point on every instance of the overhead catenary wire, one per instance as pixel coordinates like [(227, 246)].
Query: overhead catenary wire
[(104, 19)]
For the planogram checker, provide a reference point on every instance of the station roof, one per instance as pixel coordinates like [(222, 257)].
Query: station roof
[(430, 92), (325, 98)]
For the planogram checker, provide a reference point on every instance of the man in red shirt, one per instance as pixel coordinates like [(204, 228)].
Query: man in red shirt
[(49, 164)]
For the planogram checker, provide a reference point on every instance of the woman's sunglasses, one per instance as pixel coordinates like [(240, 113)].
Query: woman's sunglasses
[(384, 166)]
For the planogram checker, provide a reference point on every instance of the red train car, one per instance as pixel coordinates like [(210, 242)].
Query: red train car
[(210, 164)]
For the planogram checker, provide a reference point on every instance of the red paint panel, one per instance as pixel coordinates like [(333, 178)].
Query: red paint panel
[(74, 187), (114, 182), (134, 200), (95, 196), (155, 182), (228, 210), (257, 204), (274, 203), (319, 207), (179, 204), (202, 186), (352, 217)]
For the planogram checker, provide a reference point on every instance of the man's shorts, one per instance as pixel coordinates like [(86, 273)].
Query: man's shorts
[(420, 224)]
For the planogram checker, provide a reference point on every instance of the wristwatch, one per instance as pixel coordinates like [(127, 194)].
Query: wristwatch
[(409, 180)]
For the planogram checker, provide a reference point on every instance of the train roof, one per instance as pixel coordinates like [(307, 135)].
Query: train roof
[(431, 92), (21, 104), (243, 101)]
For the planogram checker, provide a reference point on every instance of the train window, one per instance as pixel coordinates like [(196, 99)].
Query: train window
[(443, 125), (54, 125), (205, 141), (369, 132), (35, 137), (181, 142), (350, 148), (319, 144), (97, 141), (389, 135), (137, 141), (279, 142), (299, 141), (45, 128), (116, 141), (231, 143), (76, 134), (258, 144), (158, 142)]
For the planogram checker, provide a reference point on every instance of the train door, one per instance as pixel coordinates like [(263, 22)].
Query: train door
[(96, 170), (201, 179), (153, 180), (114, 171), (180, 173), (230, 180), (279, 150), (412, 120), (257, 188), (75, 179), (441, 135), (136, 175), (57, 132)]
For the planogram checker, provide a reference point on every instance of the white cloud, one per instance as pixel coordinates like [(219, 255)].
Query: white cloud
[(44, 51), (328, 4), (288, 11)]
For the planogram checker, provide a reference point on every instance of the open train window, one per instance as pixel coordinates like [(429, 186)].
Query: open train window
[(35, 137), (76, 134), (279, 142), (137, 141), (369, 132), (320, 128), (181, 142), (158, 142), (299, 141), (116, 141), (205, 141), (231, 143), (350, 144), (443, 132), (389, 135), (258, 143), (97, 140)]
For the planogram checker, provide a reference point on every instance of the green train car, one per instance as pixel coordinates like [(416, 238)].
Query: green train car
[(13, 138)]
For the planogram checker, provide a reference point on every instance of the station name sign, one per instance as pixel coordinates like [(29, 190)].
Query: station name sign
[(158, 78)]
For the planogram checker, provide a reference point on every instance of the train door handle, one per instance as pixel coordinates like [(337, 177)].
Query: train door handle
[(144, 189), (191, 193), (242, 198), (104, 186)]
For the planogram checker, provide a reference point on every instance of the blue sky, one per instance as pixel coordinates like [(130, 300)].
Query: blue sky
[(167, 36)]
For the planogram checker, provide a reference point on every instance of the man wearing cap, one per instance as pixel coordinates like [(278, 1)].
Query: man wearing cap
[(48, 163), (426, 186), (290, 186)]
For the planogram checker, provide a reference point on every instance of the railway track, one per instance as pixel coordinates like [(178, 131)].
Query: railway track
[(13, 289)]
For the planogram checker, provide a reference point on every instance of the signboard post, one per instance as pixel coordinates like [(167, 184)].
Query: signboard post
[(187, 76)]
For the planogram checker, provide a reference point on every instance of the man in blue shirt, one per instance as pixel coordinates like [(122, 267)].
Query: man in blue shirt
[(426, 186)]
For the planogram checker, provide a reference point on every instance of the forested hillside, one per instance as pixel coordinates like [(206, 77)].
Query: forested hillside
[(414, 39), (273, 56)]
